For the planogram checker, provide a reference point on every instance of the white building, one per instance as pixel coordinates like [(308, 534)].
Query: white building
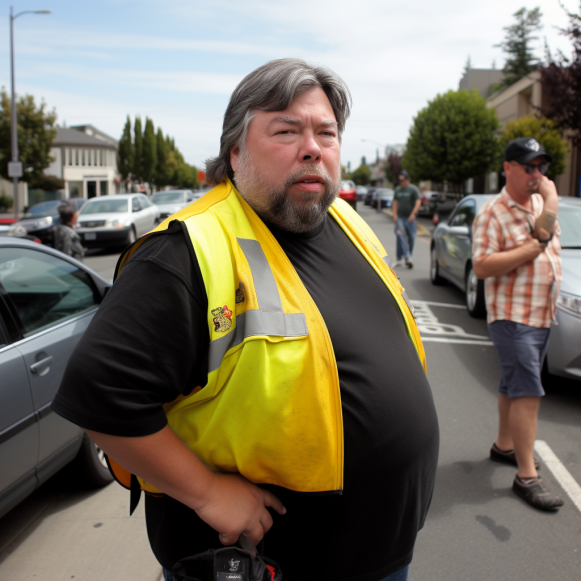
[(86, 159)]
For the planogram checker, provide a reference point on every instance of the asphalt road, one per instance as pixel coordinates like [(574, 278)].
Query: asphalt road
[(476, 530)]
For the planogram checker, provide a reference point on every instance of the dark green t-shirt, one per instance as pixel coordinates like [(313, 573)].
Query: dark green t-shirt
[(406, 197)]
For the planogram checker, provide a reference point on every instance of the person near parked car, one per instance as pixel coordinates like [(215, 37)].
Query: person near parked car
[(406, 203), (252, 352), (516, 249), (65, 238)]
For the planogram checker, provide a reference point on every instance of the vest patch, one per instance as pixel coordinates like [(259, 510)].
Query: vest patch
[(222, 319), (240, 293)]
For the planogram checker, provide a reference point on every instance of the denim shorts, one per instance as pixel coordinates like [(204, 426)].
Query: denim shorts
[(521, 351)]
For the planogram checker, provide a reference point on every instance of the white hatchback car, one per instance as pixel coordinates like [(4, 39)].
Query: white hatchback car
[(116, 220)]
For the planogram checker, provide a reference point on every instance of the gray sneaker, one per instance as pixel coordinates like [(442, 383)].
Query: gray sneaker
[(409, 263), (532, 491)]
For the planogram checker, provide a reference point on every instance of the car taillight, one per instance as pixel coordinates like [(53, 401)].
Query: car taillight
[(349, 195), (37, 240)]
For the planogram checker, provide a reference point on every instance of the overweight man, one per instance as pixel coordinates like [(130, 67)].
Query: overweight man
[(516, 249), (256, 365)]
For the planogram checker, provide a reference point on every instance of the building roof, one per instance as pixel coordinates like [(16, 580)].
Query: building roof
[(92, 130), (68, 136)]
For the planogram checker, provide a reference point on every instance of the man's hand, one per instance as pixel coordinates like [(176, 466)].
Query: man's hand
[(235, 506), (546, 221), (531, 249), (411, 218)]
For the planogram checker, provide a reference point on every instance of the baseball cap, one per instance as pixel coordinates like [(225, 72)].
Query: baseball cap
[(404, 173), (524, 150)]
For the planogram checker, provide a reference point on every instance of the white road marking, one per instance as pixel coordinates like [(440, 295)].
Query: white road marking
[(428, 324), (446, 305), (563, 476), (459, 341)]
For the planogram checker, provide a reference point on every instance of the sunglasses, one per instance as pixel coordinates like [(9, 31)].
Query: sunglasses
[(531, 167)]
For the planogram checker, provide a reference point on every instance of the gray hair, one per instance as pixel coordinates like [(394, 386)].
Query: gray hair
[(273, 87)]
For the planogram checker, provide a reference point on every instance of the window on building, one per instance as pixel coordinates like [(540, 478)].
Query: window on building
[(76, 157), (101, 157), (82, 157), (76, 190), (89, 157), (103, 187)]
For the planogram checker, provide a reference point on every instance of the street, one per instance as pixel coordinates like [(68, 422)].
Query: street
[(476, 530)]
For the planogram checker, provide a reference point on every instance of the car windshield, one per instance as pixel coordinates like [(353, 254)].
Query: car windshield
[(570, 222), (168, 197), (44, 209), (346, 186), (385, 193), (107, 206)]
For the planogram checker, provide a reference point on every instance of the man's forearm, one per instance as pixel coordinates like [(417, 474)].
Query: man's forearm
[(545, 223), (394, 209), (506, 261), (163, 460)]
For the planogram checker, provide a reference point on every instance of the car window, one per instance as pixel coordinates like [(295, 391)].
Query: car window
[(464, 214), (105, 205), (135, 205), (44, 289), (145, 203), (570, 222)]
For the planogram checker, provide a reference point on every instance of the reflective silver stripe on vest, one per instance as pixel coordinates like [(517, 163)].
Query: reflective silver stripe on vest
[(268, 319), (264, 283), (408, 303), (386, 260)]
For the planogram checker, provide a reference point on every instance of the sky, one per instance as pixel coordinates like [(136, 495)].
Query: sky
[(178, 61)]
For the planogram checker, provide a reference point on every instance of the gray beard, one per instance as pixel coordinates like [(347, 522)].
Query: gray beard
[(277, 206)]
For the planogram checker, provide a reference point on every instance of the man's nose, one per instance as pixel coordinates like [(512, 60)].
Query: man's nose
[(310, 150)]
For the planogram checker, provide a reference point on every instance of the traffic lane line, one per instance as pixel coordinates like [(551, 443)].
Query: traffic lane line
[(561, 474), (456, 341)]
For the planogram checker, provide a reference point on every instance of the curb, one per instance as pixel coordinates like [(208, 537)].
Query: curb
[(422, 230)]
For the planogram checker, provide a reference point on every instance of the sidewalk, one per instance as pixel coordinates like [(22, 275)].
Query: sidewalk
[(86, 536)]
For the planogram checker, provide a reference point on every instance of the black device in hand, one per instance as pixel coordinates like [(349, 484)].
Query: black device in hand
[(237, 563)]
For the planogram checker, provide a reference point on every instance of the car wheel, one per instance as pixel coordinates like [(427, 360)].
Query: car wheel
[(475, 300), (90, 467), (434, 268)]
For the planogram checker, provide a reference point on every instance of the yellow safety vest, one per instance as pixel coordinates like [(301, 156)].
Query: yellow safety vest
[(271, 409)]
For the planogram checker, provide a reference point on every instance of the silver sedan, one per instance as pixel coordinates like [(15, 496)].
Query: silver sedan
[(116, 220)]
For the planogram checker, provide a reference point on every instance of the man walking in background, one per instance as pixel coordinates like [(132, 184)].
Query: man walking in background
[(516, 249), (65, 238), (406, 203)]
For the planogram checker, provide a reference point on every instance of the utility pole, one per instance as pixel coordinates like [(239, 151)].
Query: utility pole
[(15, 167)]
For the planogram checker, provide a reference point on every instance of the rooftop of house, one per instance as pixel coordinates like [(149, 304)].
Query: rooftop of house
[(77, 137)]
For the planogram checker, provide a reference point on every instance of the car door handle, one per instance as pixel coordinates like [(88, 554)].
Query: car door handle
[(41, 365)]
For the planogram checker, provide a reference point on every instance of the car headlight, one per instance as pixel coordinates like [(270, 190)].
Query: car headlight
[(113, 224), (43, 222), (569, 303)]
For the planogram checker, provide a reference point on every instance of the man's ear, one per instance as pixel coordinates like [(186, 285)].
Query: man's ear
[(234, 157), (506, 167)]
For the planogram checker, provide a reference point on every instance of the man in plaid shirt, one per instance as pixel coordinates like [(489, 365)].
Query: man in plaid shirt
[(516, 249)]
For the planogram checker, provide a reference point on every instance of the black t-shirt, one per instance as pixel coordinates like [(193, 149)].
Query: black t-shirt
[(148, 343)]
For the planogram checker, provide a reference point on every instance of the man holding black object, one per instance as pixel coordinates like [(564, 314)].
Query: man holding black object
[(256, 364)]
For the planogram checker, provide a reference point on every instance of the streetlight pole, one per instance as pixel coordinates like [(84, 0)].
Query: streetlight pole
[(15, 170)]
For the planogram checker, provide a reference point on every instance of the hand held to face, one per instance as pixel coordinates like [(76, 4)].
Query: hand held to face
[(234, 506), (531, 249), (546, 221)]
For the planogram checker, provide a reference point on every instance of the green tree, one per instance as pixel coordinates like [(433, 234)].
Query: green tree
[(520, 59), (361, 175), (545, 132), (452, 139), (36, 132), (137, 150), (161, 171), (125, 151), (149, 152)]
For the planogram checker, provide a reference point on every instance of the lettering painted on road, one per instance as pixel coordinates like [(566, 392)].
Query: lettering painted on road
[(563, 476), (429, 325)]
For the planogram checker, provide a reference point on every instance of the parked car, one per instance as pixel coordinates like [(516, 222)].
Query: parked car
[(173, 201), (47, 300), (451, 261), (116, 220), (41, 219), (429, 201), (348, 193), (361, 192), (386, 195), (367, 200)]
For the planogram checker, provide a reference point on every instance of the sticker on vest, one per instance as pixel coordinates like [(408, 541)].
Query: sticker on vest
[(222, 319), (240, 294)]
